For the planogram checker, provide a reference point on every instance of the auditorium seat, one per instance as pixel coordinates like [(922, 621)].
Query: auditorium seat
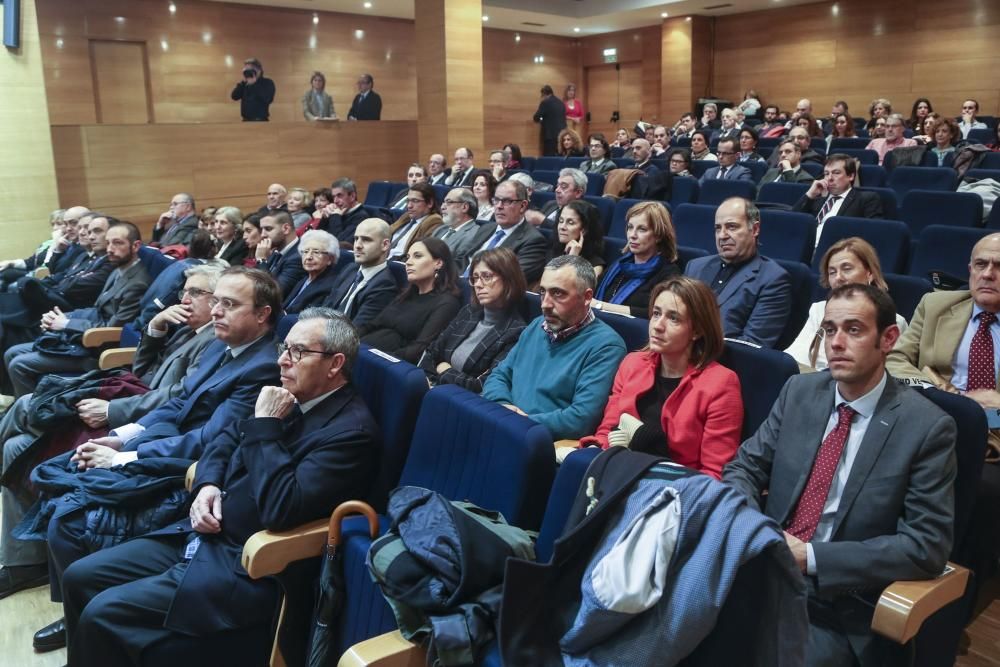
[(633, 330), (944, 248), (980, 173), (873, 176), (865, 156), (757, 168), (545, 176), (856, 143), (802, 280), (990, 161), (930, 207), (818, 144), (573, 162), (528, 163), (890, 202), (787, 235), (379, 192), (606, 208), (814, 169), (618, 221), (993, 221), (907, 291), (985, 137), (624, 162), (699, 167), (686, 253), (716, 190), (890, 238), (681, 142), (904, 179), (695, 226), (595, 185), (441, 193), (781, 193), (768, 142), (762, 372), (548, 163), (540, 199), (684, 190)]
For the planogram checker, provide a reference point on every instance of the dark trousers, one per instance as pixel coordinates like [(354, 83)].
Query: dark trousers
[(549, 146), (116, 600), (66, 546)]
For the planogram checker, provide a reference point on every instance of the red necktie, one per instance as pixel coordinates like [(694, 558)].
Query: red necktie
[(813, 498), (982, 368), (827, 206)]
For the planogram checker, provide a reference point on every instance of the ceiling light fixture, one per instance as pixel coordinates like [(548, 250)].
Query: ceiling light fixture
[(485, 18)]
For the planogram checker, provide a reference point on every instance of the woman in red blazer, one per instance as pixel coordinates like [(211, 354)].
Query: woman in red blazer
[(673, 398)]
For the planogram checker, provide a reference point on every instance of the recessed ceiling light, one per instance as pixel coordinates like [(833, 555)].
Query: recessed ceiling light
[(368, 5), (485, 17), (663, 15), (315, 19), (576, 29), (359, 34), (172, 8), (517, 37)]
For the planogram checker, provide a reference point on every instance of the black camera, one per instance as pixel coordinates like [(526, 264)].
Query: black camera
[(249, 72)]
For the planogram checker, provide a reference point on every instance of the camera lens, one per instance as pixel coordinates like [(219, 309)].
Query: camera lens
[(248, 72)]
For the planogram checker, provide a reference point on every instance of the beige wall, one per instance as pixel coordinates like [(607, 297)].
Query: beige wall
[(27, 174)]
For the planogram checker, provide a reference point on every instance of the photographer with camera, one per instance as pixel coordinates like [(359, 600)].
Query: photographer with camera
[(255, 91)]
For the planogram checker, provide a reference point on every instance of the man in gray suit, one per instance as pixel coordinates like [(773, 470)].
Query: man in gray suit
[(513, 231), (459, 210), (859, 472), (117, 305)]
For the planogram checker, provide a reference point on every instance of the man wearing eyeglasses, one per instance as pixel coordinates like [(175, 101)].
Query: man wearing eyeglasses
[(56, 255), (178, 223), (437, 169), (513, 232), (967, 121), (459, 210), (570, 186), (893, 138), (308, 445), (728, 169), (789, 168)]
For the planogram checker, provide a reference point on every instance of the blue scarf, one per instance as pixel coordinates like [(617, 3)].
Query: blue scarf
[(635, 274)]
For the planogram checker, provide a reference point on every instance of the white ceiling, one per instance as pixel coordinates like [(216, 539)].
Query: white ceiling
[(557, 17)]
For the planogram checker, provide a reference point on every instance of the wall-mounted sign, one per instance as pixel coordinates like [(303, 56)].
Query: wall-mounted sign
[(610, 55)]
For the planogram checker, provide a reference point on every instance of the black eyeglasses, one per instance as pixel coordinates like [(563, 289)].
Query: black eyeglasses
[(295, 352)]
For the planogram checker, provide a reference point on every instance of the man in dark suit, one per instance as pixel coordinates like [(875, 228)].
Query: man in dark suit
[(461, 171), (802, 138), (570, 186), (437, 169), (277, 198), (513, 232), (367, 104), (458, 211), (754, 292), (835, 194), (551, 114), (789, 168), (346, 212), (363, 294), (310, 445), (654, 183), (859, 472), (56, 256), (728, 168), (117, 305), (161, 362), (176, 225), (279, 248)]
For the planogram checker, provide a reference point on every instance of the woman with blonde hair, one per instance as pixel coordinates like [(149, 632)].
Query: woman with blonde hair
[(850, 260), (570, 144)]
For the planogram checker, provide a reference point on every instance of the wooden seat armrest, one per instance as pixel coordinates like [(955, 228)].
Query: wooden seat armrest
[(189, 475), (269, 552), (905, 605), (99, 336), (119, 356), (388, 650), (567, 443), (42, 272)]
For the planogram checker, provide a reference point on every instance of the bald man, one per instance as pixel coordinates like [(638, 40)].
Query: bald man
[(276, 196), (363, 294)]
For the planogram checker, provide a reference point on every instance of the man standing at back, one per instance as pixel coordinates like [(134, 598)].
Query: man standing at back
[(754, 292), (551, 114), (859, 472), (560, 371), (367, 104)]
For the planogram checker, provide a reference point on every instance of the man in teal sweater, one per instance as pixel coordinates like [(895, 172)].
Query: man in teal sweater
[(561, 369)]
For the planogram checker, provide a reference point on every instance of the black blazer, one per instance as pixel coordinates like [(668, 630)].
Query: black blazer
[(552, 115), (857, 204), (343, 226), (370, 301), (286, 268), (277, 475), (407, 326), (531, 248), (368, 109), (314, 293), (236, 252), (487, 354)]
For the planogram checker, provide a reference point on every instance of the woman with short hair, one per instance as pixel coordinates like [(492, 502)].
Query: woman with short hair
[(673, 398), (316, 103), (748, 146), (485, 330), (320, 251), (299, 203), (228, 233), (649, 257), (946, 135)]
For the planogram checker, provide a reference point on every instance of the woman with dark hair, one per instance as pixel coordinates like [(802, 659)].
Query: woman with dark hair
[(574, 107), (673, 398), (421, 312), (483, 332), (850, 260), (419, 222), (699, 147), (484, 185), (580, 232), (322, 208), (809, 124), (649, 258), (513, 154), (926, 133), (251, 237), (570, 144), (842, 126), (600, 156), (748, 146), (680, 162), (921, 107), (946, 135)]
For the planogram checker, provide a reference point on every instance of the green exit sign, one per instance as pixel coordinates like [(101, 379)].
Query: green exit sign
[(610, 55)]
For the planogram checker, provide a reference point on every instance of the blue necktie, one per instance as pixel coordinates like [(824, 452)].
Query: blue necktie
[(492, 244)]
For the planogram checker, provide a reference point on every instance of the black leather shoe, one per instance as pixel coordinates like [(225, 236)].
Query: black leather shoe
[(21, 577), (51, 637)]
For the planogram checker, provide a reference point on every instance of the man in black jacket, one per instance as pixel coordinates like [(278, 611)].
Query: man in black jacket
[(552, 115), (835, 194), (310, 445), (367, 104), (255, 92)]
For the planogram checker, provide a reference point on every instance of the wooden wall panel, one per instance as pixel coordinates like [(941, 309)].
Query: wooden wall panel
[(857, 50), (640, 49), (133, 170), (122, 89)]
